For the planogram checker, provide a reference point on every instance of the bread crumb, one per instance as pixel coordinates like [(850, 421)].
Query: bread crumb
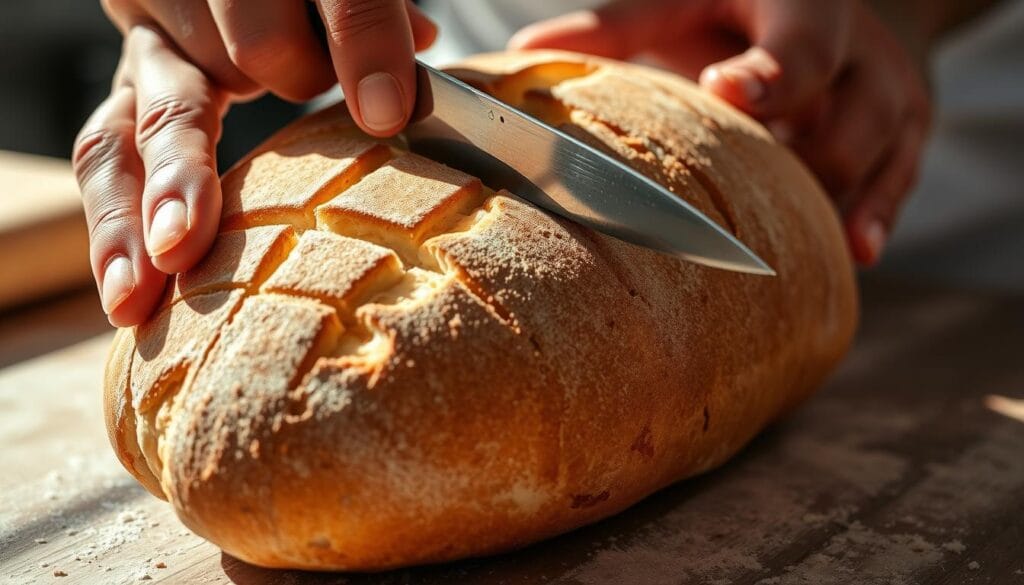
[(59, 573), (974, 565), (161, 565)]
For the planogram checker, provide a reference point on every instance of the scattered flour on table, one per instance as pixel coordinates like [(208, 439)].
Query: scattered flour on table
[(125, 528), (860, 554), (835, 515)]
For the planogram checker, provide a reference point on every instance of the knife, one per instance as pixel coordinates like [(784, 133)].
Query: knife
[(508, 149)]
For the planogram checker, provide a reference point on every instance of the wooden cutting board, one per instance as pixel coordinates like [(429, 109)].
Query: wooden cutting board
[(44, 243), (908, 467)]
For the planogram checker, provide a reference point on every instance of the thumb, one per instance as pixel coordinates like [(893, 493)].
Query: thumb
[(373, 50), (797, 48)]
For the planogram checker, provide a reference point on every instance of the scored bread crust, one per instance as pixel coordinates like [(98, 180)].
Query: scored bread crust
[(381, 362)]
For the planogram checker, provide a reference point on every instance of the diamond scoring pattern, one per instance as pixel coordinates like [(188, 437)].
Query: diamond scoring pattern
[(347, 218)]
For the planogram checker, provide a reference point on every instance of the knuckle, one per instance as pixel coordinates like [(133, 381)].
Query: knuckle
[(181, 168), (94, 149), (260, 51), (359, 18), (110, 219), (170, 115)]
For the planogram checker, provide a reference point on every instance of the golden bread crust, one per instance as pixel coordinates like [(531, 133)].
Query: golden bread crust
[(384, 363)]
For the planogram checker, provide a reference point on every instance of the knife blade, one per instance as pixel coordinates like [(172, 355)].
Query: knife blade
[(508, 149)]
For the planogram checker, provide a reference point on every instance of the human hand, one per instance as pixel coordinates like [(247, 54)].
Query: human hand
[(145, 160), (827, 77)]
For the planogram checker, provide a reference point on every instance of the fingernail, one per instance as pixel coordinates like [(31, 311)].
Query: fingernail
[(874, 237), (169, 225), (118, 283), (749, 83), (380, 102)]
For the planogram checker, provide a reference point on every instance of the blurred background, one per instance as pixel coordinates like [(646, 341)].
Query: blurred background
[(58, 59), (924, 417), (963, 227)]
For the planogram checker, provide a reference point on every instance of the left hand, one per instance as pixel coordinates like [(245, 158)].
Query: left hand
[(829, 78)]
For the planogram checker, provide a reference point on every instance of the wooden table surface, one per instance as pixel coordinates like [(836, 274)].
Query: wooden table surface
[(44, 243), (908, 467)]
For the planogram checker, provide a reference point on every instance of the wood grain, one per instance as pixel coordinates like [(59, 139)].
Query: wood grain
[(902, 470)]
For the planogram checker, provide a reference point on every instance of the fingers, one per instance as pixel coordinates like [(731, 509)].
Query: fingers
[(827, 74), (797, 47), (190, 25), (874, 211), (110, 175), (864, 120), (618, 30), (424, 31), (274, 44), (371, 45), (177, 127), (592, 32)]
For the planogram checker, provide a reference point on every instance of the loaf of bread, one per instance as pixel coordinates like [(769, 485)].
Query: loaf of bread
[(382, 362)]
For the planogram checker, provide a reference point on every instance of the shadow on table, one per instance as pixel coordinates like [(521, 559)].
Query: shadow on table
[(50, 324), (542, 562)]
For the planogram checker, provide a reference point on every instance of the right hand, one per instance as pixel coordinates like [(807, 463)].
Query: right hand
[(832, 75), (145, 159)]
